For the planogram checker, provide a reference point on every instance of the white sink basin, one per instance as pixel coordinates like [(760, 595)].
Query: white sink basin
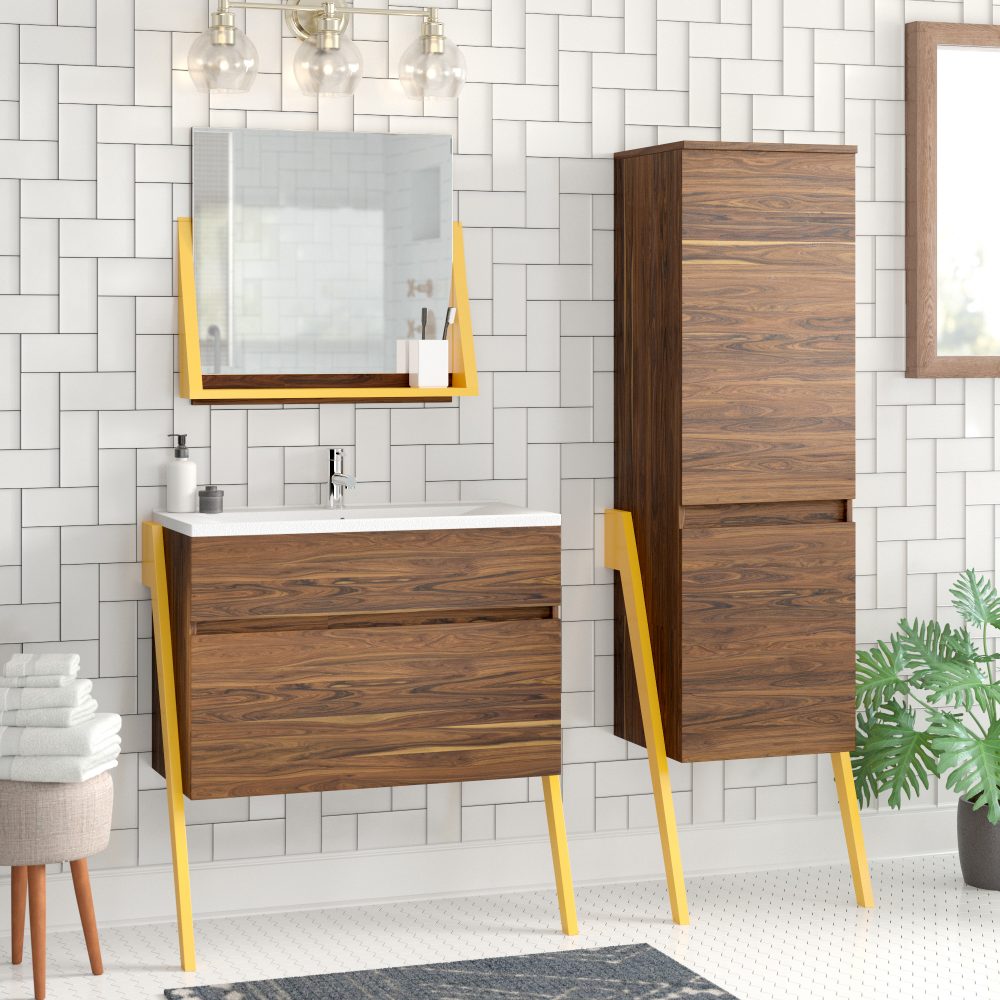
[(371, 517)]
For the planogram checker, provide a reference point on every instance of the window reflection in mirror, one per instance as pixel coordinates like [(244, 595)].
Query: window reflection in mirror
[(968, 204), (315, 252)]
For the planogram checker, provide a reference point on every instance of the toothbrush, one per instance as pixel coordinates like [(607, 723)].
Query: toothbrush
[(423, 323), (449, 319)]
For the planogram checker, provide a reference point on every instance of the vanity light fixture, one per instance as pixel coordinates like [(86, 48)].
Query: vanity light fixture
[(327, 62)]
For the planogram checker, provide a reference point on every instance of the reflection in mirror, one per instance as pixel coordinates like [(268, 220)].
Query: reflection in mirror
[(968, 208), (315, 252)]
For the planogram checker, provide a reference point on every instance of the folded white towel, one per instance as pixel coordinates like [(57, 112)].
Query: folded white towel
[(35, 682), (58, 769), (11, 747), (93, 737), (69, 696), (51, 717), (42, 665)]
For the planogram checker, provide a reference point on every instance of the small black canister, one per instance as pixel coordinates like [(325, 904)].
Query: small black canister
[(210, 500)]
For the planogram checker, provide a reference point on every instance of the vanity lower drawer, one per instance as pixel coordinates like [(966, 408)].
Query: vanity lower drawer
[(274, 712)]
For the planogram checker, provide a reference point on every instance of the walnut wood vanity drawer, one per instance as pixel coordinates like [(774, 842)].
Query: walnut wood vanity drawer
[(295, 711), (276, 575)]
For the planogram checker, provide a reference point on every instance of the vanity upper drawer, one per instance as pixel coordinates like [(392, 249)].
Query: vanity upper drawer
[(275, 575)]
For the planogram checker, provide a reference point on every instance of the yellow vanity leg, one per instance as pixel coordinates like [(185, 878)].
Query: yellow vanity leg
[(620, 554), (560, 852), (154, 576), (853, 834)]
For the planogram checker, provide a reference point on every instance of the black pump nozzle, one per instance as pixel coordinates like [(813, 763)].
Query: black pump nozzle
[(181, 450)]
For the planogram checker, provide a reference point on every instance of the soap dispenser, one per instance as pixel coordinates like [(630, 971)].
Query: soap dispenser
[(182, 479)]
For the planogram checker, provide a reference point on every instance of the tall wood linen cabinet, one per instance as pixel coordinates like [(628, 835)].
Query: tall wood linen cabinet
[(734, 442)]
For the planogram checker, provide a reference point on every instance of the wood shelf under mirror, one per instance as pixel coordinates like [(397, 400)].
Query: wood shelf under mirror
[(372, 387)]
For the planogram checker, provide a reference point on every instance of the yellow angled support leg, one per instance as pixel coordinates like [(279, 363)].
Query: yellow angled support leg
[(154, 576), (853, 834), (560, 852), (620, 554)]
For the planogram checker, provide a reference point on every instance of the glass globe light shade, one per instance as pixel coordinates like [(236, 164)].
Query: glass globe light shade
[(223, 60), (426, 73), (329, 72)]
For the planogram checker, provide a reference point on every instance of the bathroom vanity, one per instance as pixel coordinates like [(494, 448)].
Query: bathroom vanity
[(313, 649), (320, 649)]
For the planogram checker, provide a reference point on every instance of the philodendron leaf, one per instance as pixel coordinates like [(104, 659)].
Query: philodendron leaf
[(867, 777), (892, 755), (959, 681), (929, 645), (878, 673), (972, 759), (976, 599)]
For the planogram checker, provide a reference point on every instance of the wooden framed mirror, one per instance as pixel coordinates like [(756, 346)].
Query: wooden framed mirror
[(318, 266), (952, 201)]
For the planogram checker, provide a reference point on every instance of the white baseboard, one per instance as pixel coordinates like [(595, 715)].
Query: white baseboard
[(145, 895)]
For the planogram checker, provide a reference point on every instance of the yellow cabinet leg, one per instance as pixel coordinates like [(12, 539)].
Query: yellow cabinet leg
[(154, 576), (560, 852), (853, 834), (620, 554)]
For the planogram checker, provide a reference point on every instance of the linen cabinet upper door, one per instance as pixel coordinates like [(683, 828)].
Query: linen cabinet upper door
[(767, 275)]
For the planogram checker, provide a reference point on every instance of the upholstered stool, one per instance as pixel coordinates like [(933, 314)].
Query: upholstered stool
[(40, 824)]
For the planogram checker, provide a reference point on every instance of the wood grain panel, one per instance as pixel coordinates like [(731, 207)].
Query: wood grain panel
[(648, 415), (384, 619), (371, 380), (768, 624), (768, 373), (177, 552), (288, 380), (755, 195), (809, 287), (714, 146), (273, 575), (738, 515), (363, 707)]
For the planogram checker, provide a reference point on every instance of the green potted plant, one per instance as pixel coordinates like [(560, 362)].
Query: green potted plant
[(928, 703)]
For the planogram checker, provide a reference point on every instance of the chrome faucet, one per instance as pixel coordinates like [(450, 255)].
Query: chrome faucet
[(339, 480)]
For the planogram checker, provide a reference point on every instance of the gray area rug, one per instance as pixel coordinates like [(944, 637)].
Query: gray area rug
[(629, 972)]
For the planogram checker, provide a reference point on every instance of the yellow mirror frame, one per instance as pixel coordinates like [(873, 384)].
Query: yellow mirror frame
[(464, 379)]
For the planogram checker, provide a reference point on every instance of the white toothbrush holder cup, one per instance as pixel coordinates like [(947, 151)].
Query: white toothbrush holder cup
[(428, 363)]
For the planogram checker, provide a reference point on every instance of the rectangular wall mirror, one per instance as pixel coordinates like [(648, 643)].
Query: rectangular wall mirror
[(952, 201), (313, 255)]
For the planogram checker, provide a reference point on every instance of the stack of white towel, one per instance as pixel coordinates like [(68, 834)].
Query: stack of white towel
[(50, 729)]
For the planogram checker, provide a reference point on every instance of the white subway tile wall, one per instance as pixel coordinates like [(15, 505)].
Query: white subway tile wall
[(95, 116)]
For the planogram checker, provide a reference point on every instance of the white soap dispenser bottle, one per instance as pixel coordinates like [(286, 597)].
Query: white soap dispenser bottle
[(182, 479)]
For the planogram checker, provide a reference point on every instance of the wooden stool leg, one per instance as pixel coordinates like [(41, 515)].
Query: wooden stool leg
[(36, 902), (560, 852), (85, 904), (851, 817), (18, 902)]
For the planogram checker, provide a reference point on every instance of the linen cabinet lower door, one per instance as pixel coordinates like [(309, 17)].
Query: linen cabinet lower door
[(767, 653), (360, 707)]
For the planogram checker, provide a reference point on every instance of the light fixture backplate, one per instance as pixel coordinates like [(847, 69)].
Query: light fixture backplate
[(305, 23)]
